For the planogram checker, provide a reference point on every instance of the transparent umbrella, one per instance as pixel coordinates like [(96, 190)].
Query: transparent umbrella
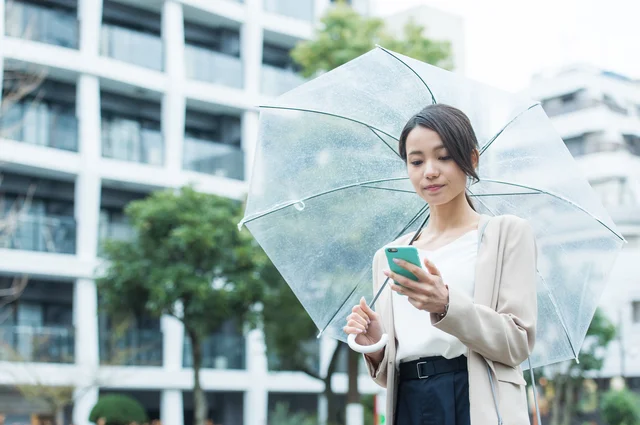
[(328, 189)]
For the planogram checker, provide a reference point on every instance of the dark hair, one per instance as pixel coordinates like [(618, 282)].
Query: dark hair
[(455, 130)]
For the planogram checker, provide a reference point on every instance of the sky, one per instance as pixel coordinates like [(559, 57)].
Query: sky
[(508, 41)]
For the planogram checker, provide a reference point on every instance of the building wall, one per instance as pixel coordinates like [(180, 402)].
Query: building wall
[(89, 172)]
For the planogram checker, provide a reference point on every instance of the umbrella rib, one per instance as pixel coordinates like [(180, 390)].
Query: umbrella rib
[(549, 294), (372, 303), (382, 140), (316, 195), (433, 98), (493, 139), (313, 111), (557, 197), (478, 195)]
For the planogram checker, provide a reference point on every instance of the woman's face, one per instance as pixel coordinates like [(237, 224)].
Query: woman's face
[(434, 175)]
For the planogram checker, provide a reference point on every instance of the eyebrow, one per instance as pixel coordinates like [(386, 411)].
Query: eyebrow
[(420, 152)]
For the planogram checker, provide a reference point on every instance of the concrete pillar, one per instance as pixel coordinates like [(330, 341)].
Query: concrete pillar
[(84, 400), (327, 347), (85, 320), (256, 398), (250, 127), (90, 21), (173, 104), (171, 410), (251, 47), (172, 343)]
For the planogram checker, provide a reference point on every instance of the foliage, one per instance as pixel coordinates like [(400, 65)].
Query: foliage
[(344, 35), (621, 408), (281, 415), (187, 259), (118, 409)]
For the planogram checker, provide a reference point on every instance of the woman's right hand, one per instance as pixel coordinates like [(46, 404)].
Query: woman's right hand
[(366, 325)]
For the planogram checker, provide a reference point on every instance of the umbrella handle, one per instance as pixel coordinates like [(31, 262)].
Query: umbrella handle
[(367, 349)]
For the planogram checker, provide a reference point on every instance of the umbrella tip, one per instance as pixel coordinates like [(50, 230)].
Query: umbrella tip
[(577, 360)]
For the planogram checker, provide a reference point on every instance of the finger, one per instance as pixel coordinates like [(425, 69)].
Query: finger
[(368, 311), (416, 270), (431, 267), (358, 318), (350, 330), (357, 309), (357, 325), (405, 281), (404, 290)]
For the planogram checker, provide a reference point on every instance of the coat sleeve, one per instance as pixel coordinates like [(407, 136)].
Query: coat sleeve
[(507, 334), (378, 371)]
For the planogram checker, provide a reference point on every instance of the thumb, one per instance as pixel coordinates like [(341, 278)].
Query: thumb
[(365, 307), (431, 268)]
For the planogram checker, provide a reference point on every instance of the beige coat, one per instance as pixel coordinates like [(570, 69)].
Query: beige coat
[(498, 325)]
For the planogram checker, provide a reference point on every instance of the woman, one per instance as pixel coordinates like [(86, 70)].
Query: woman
[(458, 334)]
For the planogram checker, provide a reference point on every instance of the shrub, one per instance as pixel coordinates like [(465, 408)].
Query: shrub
[(118, 409)]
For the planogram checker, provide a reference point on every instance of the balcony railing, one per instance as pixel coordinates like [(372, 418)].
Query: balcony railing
[(39, 233), (111, 231), (51, 344), (131, 46), (135, 347), (276, 81), (219, 351), (299, 9), (214, 67), (42, 24), (128, 140), (39, 124), (214, 158)]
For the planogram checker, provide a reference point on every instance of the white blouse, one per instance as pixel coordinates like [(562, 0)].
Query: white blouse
[(416, 336)]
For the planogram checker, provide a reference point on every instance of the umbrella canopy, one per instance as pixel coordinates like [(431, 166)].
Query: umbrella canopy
[(329, 188)]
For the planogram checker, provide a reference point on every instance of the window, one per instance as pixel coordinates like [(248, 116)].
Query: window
[(635, 308), (633, 143), (614, 191)]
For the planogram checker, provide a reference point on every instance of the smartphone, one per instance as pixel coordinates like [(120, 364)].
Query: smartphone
[(407, 253)]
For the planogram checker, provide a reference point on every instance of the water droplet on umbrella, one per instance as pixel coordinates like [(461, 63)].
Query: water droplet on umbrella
[(299, 205)]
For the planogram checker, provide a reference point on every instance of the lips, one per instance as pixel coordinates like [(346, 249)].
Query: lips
[(434, 187)]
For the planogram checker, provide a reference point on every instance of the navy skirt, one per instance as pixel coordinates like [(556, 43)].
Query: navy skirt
[(437, 400)]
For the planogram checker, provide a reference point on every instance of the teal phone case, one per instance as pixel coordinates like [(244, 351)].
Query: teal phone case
[(407, 253)]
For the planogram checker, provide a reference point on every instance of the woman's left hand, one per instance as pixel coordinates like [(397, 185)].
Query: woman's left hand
[(429, 293)]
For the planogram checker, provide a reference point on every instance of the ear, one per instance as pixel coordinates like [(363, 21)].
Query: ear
[(475, 158)]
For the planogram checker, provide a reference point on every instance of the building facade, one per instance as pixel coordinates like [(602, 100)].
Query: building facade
[(597, 113), (132, 96)]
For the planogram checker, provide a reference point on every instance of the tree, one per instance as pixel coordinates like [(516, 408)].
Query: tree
[(187, 260), (567, 384), (621, 408), (344, 35)]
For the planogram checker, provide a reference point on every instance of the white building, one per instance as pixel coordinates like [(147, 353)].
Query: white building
[(138, 95), (597, 113)]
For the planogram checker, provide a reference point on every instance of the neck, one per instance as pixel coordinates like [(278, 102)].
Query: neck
[(455, 214)]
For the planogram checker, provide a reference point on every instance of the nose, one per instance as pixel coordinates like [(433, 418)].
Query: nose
[(431, 170)]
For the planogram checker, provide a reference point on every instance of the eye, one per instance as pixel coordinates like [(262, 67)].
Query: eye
[(444, 158), (416, 163)]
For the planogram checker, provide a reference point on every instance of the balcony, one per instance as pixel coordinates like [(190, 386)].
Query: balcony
[(276, 81), (37, 23), (213, 67), (135, 47), (50, 344), (39, 233), (311, 351), (219, 351), (134, 347), (209, 157), (131, 140), (298, 9), (42, 125)]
